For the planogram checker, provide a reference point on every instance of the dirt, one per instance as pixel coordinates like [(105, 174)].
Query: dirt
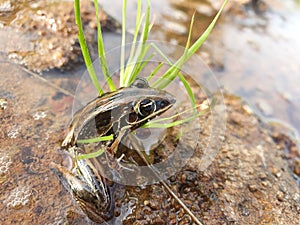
[(43, 34)]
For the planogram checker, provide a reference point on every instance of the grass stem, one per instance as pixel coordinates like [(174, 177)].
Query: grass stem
[(84, 48)]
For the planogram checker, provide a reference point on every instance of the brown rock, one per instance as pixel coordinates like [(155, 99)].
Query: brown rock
[(43, 37)]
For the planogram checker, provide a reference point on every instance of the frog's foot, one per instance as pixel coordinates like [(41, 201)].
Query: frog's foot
[(121, 166), (116, 164)]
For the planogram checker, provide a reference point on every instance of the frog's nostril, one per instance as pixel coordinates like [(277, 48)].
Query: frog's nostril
[(173, 101)]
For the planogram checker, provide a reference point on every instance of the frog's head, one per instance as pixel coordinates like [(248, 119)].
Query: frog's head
[(123, 110), (144, 104), (140, 104)]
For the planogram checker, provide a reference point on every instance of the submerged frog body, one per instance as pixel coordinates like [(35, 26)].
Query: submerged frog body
[(116, 113)]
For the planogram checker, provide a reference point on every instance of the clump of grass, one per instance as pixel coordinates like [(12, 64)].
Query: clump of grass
[(137, 60), (139, 50)]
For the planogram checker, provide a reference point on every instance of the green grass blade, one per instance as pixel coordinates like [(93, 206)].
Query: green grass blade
[(188, 88), (122, 80), (91, 155), (152, 74), (175, 115), (101, 51), (204, 36), (147, 26), (154, 124), (140, 67), (138, 24), (179, 74), (142, 48), (190, 32), (97, 139), (84, 48), (172, 72)]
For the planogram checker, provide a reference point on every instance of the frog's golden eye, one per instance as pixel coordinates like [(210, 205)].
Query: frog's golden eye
[(146, 107)]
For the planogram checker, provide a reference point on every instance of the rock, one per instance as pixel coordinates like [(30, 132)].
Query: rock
[(43, 37)]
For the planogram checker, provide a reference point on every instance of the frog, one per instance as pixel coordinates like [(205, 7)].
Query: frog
[(114, 114)]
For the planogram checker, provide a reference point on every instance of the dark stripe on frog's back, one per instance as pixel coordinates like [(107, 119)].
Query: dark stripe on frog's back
[(84, 120), (104, 124)]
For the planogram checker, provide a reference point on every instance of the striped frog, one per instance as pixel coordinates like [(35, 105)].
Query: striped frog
[(114, 114)]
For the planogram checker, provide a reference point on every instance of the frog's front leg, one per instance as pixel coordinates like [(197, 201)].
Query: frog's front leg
[(97, 203), (113, 162)]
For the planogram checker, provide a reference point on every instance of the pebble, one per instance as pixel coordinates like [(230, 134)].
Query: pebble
[(147, 210), (175, 27), (262, 176), (265, 183), (252, 187), (215, 185), (205, 9), (154, 204), (297, 167), (276, 173), (296, 198), (247, 109), (280, 196), (186, 219), (146, 202), (236, 118), (3, 104)]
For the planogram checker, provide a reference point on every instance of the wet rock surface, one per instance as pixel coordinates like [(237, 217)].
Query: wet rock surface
[(29, 193), (42, 35), (251, 181)]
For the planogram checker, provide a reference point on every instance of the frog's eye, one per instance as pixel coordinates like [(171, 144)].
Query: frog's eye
[(146, 107)]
